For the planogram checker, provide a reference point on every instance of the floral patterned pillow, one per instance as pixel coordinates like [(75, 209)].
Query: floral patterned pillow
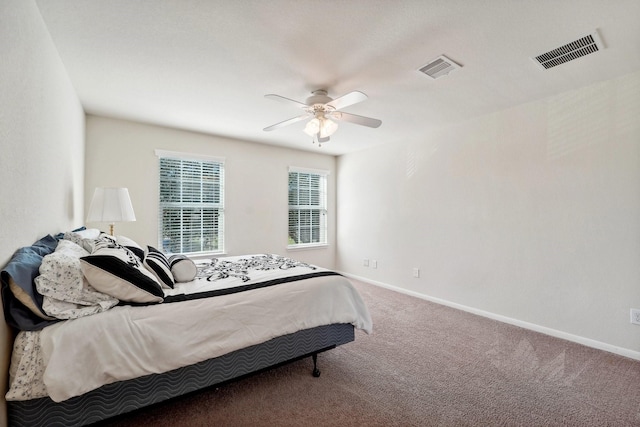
[(67, 294)]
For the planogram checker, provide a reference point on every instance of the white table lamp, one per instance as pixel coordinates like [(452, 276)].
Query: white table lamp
[(110, 204)]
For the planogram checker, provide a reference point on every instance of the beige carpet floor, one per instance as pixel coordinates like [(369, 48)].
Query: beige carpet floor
[(424, 365)]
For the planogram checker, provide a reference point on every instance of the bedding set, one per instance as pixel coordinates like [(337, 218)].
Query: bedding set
[(136, 313)]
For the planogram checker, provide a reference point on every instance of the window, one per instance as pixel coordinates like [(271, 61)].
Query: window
[(191, 207), (307, 207)]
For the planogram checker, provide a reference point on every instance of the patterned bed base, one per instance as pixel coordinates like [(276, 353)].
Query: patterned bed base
[(125, 396)]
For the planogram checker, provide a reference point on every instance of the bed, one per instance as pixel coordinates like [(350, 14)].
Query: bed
[(150, 333)]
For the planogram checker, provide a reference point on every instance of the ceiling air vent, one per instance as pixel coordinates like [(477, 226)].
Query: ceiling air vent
[(439, 67), (570, 51)]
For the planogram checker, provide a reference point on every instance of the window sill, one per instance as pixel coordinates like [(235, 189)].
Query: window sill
[(307, 246), (204, 255)]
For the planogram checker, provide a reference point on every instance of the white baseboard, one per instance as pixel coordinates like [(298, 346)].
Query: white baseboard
[(526, 325)]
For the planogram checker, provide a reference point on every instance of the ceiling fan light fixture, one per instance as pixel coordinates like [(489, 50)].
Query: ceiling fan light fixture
[(328, 128), (320, 126), (312, 127)]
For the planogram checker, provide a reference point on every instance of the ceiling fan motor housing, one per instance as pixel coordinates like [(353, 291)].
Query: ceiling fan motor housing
[(318, 97)]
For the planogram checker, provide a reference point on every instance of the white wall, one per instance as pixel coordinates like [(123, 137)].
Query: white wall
[(41, 139), (121, 153), (532, 213)]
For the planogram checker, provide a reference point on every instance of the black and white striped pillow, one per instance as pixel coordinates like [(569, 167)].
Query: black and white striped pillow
[(158, 263), (118, 272)]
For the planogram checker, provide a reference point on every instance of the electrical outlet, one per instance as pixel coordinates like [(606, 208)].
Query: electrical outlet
[(416, 273), (635, 316), (374, 263), (365, 262)]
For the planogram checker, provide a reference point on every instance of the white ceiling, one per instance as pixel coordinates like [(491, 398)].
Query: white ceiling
[(205, 65)]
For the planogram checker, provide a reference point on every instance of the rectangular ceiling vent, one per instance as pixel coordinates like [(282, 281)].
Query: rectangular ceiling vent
[(583, 46), (439, 67)]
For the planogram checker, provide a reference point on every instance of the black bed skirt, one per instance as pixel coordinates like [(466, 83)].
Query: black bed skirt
[(125, 396)]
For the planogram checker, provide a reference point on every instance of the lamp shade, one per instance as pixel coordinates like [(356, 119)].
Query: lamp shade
[(110, 204)]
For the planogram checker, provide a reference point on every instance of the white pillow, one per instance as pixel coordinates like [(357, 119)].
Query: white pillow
[(89, 233), (183, 269)]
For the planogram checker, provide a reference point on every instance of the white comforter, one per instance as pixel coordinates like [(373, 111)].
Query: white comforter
[(128, 342)]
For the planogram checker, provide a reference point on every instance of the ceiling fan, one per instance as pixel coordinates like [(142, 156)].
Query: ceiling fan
[(323, 110)]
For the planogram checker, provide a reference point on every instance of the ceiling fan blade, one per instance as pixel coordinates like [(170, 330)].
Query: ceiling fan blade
[(348, 99), (285, 100), (287, 122), (354, 118)]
